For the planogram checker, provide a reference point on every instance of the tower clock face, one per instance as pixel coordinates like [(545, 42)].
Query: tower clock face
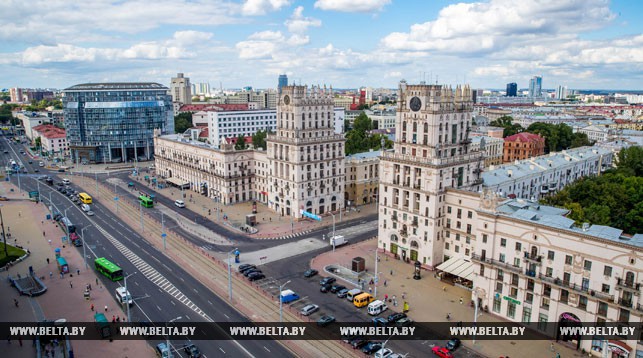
[(286, 99), (415, 104)]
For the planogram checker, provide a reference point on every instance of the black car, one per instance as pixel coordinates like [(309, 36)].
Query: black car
[(348, 338), (192, 351), (60, 189), (325, 320), (57, 217), (371, 347), (380, 322), (248, 272), (256, 276), (60, 184), (248, 268), (336, 288), (244, 267), (342, 293), (404, 322), (395, 317), (359, 342), (310, 273), (327, 281), (453, 344), (325, 288)]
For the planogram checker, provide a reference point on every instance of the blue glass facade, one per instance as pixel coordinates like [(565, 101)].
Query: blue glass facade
[(115, 122)]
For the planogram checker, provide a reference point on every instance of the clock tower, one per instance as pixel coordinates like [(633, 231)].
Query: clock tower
[(431, 153)]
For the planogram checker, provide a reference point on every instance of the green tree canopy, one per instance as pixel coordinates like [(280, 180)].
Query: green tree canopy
[(506, 122), (182, 122), (241, 143), (559, 136), (359, 139), (259, 139), (630, 161)]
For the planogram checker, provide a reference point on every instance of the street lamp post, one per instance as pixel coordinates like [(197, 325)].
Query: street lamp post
[(4, 237), (128, 296), (169, 349), (230, 275), (281, 302), (376, 274), (333, 237), (82, 236), (475, 314)]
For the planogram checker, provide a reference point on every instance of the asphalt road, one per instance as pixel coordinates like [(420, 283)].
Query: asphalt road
[(151, 302)]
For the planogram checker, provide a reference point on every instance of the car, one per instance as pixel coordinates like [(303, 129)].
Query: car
[(30, 162), (6, 152), (403, 322), (60, 189), (256, 276), (3, 198), (61, 170), (162, 350), (192, 351), (36, 170), (348, 338), (395, 316), (41, 164), (342, 293), (123, 296), (383, 353), (327, 281), (179, 203), (371, 347), (380, 322), (310, 273), (325, 320), (309, 309), (325, 288), (90, 213), (251, 267), (248, 272), (336, 288), (245, 267), (442, 352), (453, 344), (60, 184), (130, 184), (57, 217), (358, 342)]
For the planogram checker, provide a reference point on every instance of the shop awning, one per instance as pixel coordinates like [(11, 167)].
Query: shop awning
[(458, 266), (177, 181)]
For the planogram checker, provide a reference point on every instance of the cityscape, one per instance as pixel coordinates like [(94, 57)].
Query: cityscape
[(242, 179)]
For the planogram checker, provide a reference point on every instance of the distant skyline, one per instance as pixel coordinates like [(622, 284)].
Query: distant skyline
[(591, 44)]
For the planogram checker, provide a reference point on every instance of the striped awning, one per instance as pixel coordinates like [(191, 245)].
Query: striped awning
[(458, 266)]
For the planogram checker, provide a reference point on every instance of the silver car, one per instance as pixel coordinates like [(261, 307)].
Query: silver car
[(90, 213), (309, 309)]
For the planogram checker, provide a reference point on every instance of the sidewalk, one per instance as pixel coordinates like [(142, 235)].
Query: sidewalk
[(431, 299), (64, 297), (270, 225)]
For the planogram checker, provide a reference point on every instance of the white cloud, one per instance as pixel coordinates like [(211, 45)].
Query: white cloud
[(299, 24), (261, 7), (352, 5)]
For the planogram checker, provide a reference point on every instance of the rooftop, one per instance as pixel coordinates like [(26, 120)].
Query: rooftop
[(50, 131), (524, 137), (365, 155), (120, 86)]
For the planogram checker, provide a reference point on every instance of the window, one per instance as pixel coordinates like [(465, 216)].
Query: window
[(605, 288), (470, 214), (607, 271), (545, 302), (503, 242), (513, 292), (529, 297), (496, 304), (526, 314), (518, 246), (500, 275), (498, 287), (511, 310), (587, 265), (516, 262), (542, 322), (484, 238), (550, 255), (546, 290), (582, 302), (501, 258), (564, 296), (568, 259), (482, 270), (602, 309)]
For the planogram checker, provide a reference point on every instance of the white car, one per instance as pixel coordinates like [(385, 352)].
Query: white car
[(41, 164), (123, 296), (383, 353), (179, 203), (309, 309), (90, 213)]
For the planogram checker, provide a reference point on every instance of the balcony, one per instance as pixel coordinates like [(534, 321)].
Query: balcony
[(625, 303), (639, 307), (572, 286), (628, 286), (537, 259), (503, 265)]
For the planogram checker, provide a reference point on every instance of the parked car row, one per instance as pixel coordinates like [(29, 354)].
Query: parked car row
[(251, 272)]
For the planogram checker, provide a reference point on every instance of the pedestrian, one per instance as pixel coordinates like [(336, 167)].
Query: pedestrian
[(19, 213), (444, 288), (51, 274), (105, 308), (15, 302), (385, 297), (61, 275), (460, 299), (97, 280), (118, 319), (113, 319), (551, 347), (47, 260), (391, 272), (403, 295), (90, 286), (71, 285), (20, 341), (385, 283), (370, 290), (92, 307), (44, 234), (77, 271)]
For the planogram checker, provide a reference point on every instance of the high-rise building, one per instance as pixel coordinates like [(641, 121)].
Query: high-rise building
[(200, 88), (536, 86), (115, 122), (305, 156), (16, 94), (512, 89), (431, 153), (283, 82), (561, 92), (181, 89)]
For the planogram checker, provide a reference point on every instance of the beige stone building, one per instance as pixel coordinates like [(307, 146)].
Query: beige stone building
[(491, 147), (362, 178)]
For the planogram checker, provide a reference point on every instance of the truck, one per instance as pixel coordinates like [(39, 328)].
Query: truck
[(287, 296), (75, 239), (338, 240)]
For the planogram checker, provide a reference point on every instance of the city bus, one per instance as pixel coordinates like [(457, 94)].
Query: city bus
[(108, 269), (85, 198), (146, 201), (68, 225)]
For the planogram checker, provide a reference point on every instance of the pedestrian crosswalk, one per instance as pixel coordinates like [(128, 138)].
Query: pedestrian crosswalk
[(286, 237)]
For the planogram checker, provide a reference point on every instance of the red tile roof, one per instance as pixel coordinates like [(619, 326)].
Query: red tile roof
[(524, 137), (50, 131), (233, 140)]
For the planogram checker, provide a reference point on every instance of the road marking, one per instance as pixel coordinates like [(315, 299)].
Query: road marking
[(264, 347), (159, 308), (221, 349), (209, 302), (174, 304), (226, 316)]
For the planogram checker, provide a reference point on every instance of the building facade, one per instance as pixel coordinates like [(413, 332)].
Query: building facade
[(536, 86), (181, 89), (53, 140), (305, 155), (491, 147), (362, 178), (283, 82), (431, 152), (15, 94), (29, 121), (512, 89), (115, 122), (522, 146), (232, 124)]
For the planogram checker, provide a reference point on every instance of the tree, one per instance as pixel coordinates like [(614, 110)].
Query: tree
[(38, 142), (362, 123), (182, 122), (259, 139), (506, 122), (241, 143), (580, 140), (630, 161)]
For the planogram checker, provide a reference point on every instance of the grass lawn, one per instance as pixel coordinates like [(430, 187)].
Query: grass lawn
[(13, 252)]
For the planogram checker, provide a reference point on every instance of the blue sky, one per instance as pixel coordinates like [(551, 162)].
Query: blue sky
[(346, 43)]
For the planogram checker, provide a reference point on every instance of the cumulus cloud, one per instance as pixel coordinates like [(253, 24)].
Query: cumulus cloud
[(352, 5), (261, 7), (298, 23)]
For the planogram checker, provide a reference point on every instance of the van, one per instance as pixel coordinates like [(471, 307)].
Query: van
[(338, 240), (66, 181), (85, 207), (41, 164), (376, 307), (123, 296), (363, 300), (352, 293), (179, 203)]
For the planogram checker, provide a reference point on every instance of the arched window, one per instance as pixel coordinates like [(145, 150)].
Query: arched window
[(414, 244), (629, 278), (394, 238), (309, 203), (426, 128), (333, 199), (321, 201)]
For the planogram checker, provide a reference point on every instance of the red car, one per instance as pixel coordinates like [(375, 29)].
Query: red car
[(442, 352)]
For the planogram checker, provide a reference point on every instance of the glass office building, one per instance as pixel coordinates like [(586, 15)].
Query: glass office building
[(115, 122)]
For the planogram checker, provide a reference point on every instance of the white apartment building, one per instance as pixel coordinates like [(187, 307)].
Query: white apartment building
[(492, 148), (29, 121), (382, 119), (305, 155), (340, 117), (52, 139), (540, 176), (231, 124), (596, 133)]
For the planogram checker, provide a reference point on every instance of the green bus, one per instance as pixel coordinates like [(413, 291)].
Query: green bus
[(146, 201), (108, 269)]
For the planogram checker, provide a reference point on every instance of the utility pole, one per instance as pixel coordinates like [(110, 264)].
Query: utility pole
[(4, 237)]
